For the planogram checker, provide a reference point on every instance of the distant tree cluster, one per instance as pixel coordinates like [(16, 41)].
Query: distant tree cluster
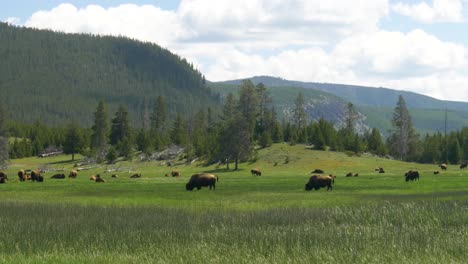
[(246, 121)]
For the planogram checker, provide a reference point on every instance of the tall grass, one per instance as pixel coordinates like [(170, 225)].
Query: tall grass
[(417, 232)]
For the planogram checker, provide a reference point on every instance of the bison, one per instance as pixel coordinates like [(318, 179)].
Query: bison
[(356, 175), (22, 175), (136, 175), (463, 166), (436, 172), (175, 173), (199, 180), (333, 177), (3, 177), (73, 174), (58, 176), (92, 178), (316, 182), (36, 176), (381, 170), (349, 174), (99, 179), (318, 171), (443, 166), (114, 176), (411, 175), (256, 172)]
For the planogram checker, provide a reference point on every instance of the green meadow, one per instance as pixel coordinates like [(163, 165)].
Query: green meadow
[(373, 218)]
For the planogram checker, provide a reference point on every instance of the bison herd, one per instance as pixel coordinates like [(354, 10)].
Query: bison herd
[(200, 180)]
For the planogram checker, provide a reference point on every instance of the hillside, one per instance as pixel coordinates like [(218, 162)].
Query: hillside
[(58, 77), (377, 104)]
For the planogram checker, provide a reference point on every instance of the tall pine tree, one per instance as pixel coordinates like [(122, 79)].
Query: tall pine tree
[(100, 128), (120, 128)]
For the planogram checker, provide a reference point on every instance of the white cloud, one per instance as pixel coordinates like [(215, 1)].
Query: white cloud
[(307, 40), (440, 11), (13, 20)]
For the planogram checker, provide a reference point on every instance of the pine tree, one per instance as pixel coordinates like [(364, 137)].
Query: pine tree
[(100, 128), (3, 139), (120, 126), (158, 130), (248, 105), (403, 136), (143, 142), (74, 141), (178, 135), (300, 118), (351, 116)]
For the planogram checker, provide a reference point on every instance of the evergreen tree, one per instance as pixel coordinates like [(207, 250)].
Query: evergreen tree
[(229, 108), (234, 141), (403, 136), (178, 134), (454, 151), (3, 139), (100, 127), (143, 142), (351, 116), (375, 143), (111, 155), (74, 141), (125, 147), (248, 105), (158, 129), (300, 118), (120, 126)]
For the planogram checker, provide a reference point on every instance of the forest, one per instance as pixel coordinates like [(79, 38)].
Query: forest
[(247, 121)]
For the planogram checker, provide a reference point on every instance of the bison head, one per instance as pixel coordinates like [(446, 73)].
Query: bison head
[(308, 187), (189, 187)]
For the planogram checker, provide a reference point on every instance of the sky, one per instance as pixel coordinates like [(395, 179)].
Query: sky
[(413, 45)]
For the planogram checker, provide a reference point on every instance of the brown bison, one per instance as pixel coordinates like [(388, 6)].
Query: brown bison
[(463, 166), (36, 176), (3, 177), (356, 175), (99, 179), (443, 166), (333, 177), (316, 182), (73, 174), (199, 180), (92, 178), (136, 175), (318, 171), (380, 170), (436, 172), (349, 174), (256, 172), (114, 176), (58, 176), (411, 175), (175, 173), (22, 175)]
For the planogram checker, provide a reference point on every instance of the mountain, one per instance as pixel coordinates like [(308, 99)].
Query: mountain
[(377, 104), (57, 77)]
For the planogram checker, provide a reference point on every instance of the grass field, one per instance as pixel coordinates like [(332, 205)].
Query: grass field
[(373, 218)]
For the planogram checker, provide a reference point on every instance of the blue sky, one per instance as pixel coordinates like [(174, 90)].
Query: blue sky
[(415, 45)]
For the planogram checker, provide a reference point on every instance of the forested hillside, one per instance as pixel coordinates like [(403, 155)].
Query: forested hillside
[(57, 77), (376, 104)]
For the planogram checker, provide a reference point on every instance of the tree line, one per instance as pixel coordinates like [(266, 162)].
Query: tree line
[(246, 122)]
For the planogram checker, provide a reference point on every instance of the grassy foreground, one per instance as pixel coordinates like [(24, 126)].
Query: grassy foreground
[(373, 218)]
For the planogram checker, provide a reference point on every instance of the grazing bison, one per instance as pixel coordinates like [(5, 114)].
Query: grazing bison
[(99, 179), (333, 177), (92, 178), (443, 166), (3, 177), (58, 176), (22, 175), (200, 180), (136, 175), (36, 176), (256, 172), (114, 176), (411, 175), (356, 175), (316, 182), (318, 171), (436, 172), (349, 174), (463, 166), (73, 174), (175, 173)]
